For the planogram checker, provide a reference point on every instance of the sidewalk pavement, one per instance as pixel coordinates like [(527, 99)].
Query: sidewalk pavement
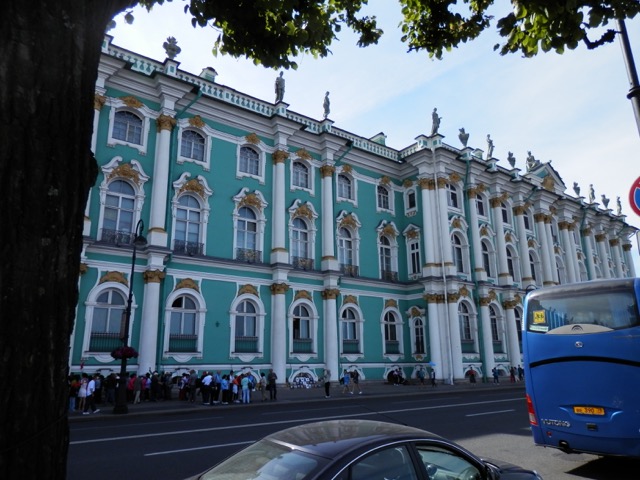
[(298, 395)]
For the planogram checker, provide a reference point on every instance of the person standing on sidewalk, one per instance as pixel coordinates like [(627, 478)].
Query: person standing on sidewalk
[(271, 380), (432, 375), (355, 377), (326, 378), (90, 400), (346, 382), (262, 386)]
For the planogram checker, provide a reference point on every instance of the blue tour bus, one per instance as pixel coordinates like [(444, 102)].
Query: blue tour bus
[(581, 347)]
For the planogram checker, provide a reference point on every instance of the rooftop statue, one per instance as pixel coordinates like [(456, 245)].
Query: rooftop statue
[(464, 137), (489, 147), (279, 87), (511, 159), (576, 188), (435, 124)]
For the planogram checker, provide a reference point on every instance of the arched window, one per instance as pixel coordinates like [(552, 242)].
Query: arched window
[(480, 206), (192, 145), (512, 265), (452, 196), (345, 187), (127, 126), (533, 263), (300, 175), (350, 332), (383, 198), (391, 335), (246, 234), (119, 212), (413, 247), (188, 226), (183, 336), (386, 266), (487, 260), (249, 161), (107, 321), (418, 336), (505, 213), (493, 317), (458, 253), (465, 323), (301, 328), (345, 247), (300, 239), (246, 321)]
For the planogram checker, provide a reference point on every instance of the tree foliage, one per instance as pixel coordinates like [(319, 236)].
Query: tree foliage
[(272, 32)]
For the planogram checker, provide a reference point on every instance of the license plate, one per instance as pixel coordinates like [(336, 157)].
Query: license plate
[(588, 410)]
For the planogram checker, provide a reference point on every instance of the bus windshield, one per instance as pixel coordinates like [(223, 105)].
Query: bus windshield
[(587, 311)]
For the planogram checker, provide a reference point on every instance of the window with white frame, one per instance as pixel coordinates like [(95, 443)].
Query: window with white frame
[(106, 321), (249, 162), (246, 328), (350, 331), (192, 145), (411, 200), (127, 127), (481, 207), (300, 175), (188, 226), (534, 264), (452, 196), (466, 333), (345, 247), (418, 336), (518, 314), (247, 235), (415, 263), (391, 334), (300, 244), (301, 328), (388, 270), (183, 329), (458, 247), (383, 198), (495, 327), (119, 212), (505, 213), (512, 264), (527, 221), (487, 258), (345, 187)]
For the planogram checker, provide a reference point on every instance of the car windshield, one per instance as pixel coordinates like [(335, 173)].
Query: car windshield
[(266, 461)]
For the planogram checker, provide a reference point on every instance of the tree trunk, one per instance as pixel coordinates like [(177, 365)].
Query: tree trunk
[(49, 54)]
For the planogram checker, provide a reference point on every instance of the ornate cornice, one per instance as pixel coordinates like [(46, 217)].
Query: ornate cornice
[(153, 276)]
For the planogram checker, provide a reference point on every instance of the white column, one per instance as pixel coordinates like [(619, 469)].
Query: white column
[(523, 247), (98, 102), (426, 187), (614, 244), (435, 350), (442, 215), (574, 252), (475, 233), (279, 330), (601, 239), (487, 340), (552, 251), (150, 322), (588, 252), (329, 261), (501, 247), (513, 346), (547, 276), (567, 241), (159, 202), (331, 337), (456, 343), (628, 259), (278, 250)]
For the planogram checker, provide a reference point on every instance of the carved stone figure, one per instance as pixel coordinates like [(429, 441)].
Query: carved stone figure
[(531, 161), (618, 206), (576, 188), (435, 124), (489, 147), (171, 47), (326, 105), (279, 88), (464, 137), (605, 201), (592, 193), (511, 159)]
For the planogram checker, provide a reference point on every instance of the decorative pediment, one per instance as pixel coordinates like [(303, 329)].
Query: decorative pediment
[(303, 294), (187, 283), (113, 277), (350, 299), (248, 289)]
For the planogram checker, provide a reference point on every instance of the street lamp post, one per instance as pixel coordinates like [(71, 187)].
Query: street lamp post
[(121, 398), (634, 90)]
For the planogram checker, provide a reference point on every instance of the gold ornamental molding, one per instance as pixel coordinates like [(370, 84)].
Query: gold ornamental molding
[(194, 186), (415, 312), (484, 231), (279, 288), (327, 170), (348, 221), (564, 225), (125, 170), (330, 293), (391, 303), (442, 182), (153, 276), (346, 168), (478, 189), (627, 247), (248, 289), (434, 298), (586, 231), (553, 209), (510, 304), (413, 233), (84, 268), (519, 210), (252, 200), (464, 291), (508, 237), (548, 183), (113, 277), (303, 211), (303, 154), (350, 299), (252, 138), (517, 296), (601, 237), (453, 297), (496, 202), (197, 122), (187, 283), (389, 230), (279, 156), (614, 242), (556, 250), (539, 217), (408, 183), (456, 223), (548, 219), (165, 122), (302, 294), (531, 243), (385, 180), (427, 183), (99, 101), (132, 102), (454, 177), (485, 301)]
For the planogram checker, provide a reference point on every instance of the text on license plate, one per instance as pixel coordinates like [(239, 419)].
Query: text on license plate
[(588, 410)]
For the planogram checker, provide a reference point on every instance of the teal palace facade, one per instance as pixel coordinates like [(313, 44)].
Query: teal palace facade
[(276, 240)]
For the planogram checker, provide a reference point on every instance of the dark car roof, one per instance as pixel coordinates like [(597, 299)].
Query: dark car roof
[(333, 438)]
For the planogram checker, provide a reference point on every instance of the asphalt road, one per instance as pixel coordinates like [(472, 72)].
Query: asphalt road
[(176, 443)]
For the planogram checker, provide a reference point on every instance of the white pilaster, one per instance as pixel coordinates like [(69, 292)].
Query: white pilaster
[(601, 244), (523, 248), (279, 330), (159, 202), (331, 337), (628, 259), (434, 339), (487, 340), (547, 277), (442, 217), (427, 220), (513, 346), (588, 252), (567, 241), (279, 252), (614, 244), (150, 321), (454, 335), (504, 278), (329, 261)]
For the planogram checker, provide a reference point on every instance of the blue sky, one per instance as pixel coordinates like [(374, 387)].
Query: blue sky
[(571, 109)]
